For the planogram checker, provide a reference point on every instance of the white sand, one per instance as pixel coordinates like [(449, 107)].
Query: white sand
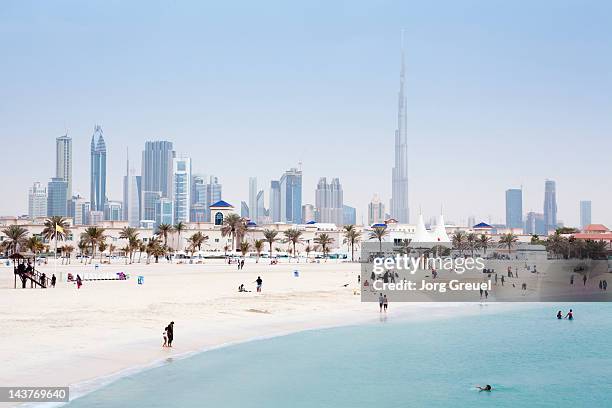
[(65, 336)]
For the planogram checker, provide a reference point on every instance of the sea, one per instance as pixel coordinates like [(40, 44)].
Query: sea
[(528, 356)]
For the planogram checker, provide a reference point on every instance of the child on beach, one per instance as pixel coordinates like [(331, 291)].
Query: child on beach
[(165, 334)]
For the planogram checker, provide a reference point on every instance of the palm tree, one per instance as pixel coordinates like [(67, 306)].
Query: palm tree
[(351, 236), (471, 242), (93, 236), (131, 235), (35, 245), (179, 227), (111, 249), (459, 239), (555, 243), (244, 248), (378, 233), (258, 245), (163, 230), (404, 246), (56, 228), (483, 242), (154, 248), (294, 236), (234, 226), (138, 245), (308, 249), (102, 247), (270, 237), (68, 251), (16, 237), (324, 240), (508, 240), (196, 240), (82, 245)]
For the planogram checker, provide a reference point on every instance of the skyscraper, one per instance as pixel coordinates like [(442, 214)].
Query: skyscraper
[(291, 196), (37, 201), (132, 196), (350, 215), (164, 211), (63, 161), (329, 202), (308, 213), (514, 208), (182, 189), (585, 213), (253, 199), (98, 170), (550, 206), (244, 209), (376, 211), (260, 206), (275, 205), (113, 211), (399, 187), (534, 224), (57, 197), (156, 175), (204, 192), (79, 209)]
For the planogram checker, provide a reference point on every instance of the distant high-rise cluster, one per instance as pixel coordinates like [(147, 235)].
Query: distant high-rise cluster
[(329, 202), (205, 192)]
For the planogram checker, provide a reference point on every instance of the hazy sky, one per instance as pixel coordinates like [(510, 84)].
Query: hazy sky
[(500, 94)]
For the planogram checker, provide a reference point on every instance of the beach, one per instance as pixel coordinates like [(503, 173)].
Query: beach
[(67, 336)]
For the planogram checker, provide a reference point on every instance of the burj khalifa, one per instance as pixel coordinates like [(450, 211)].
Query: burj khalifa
[(399, 189)]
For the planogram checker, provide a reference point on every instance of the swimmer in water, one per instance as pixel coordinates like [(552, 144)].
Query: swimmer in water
[(570, 315), (485, 388), (559, 315)]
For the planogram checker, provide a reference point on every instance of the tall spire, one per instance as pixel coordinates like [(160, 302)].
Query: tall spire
[(399, 190)]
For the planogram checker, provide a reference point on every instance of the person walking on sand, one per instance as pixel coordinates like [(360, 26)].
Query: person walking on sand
[(605, 284), (259, 282), (53, 281), (502, 280), (79, 281), (381, 301), (584, 279), (385, 303), (170, 333)]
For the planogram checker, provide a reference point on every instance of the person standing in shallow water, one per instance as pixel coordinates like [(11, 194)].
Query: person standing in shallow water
[(170, 333), (381, 301), (385, 303)]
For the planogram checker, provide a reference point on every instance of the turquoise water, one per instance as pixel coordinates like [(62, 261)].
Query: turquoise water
[(531, 359)]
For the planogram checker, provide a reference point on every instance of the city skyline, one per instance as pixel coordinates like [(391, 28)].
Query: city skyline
[(459, 103)]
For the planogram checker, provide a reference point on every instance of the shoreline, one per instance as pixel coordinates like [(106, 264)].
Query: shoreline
[(86, 387), (106, 331)]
